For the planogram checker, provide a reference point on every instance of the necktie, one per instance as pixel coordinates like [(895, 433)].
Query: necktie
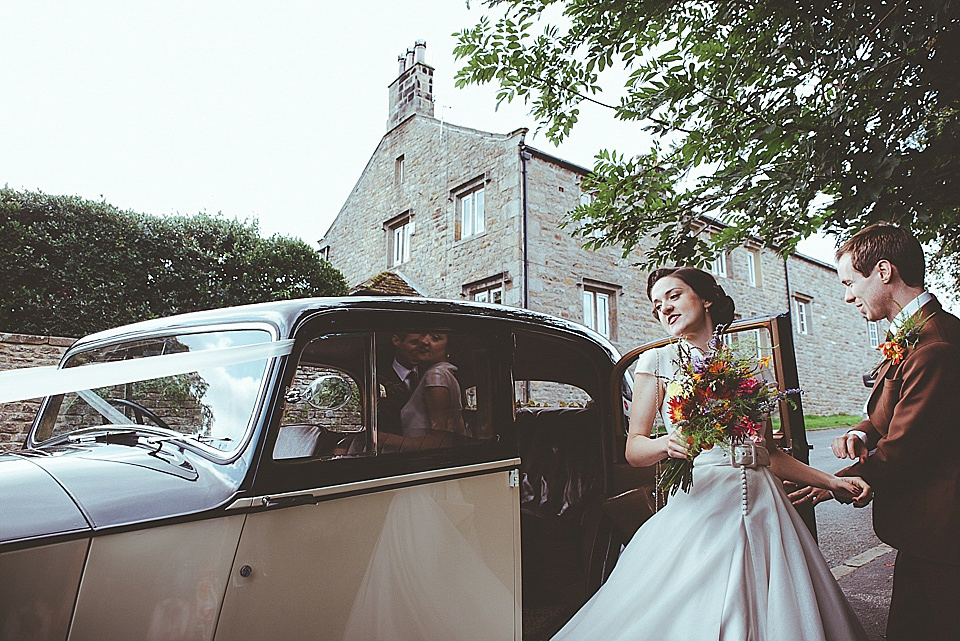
[(412, 379)]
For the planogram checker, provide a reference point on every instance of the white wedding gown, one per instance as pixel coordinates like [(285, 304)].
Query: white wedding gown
[(730, 561)]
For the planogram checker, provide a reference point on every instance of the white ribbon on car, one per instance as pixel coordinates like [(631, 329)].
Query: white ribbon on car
[(36, 382)]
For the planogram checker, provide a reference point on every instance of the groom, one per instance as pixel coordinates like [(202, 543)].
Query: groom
[(398, 378), (908, 448)]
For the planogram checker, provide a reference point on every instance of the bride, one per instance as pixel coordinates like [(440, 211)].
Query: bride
[(731, 559)]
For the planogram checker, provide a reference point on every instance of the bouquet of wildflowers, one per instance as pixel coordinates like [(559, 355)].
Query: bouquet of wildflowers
[(717, 399)]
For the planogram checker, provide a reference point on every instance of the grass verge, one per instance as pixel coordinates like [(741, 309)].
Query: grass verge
[(814, 422)]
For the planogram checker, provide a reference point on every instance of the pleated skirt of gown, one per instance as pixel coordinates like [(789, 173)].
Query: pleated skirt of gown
[(730, 561)]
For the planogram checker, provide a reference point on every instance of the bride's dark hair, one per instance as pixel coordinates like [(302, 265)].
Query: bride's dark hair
[(705, 286)]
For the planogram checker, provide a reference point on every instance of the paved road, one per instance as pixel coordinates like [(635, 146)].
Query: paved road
[(862, 563)]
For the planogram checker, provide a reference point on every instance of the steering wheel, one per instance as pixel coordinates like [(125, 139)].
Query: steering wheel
[(140, 412)]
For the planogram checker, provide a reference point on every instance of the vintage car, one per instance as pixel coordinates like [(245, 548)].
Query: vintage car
[(246, 473)]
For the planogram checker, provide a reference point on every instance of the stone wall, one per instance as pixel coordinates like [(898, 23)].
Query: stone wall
[(440, 160), (20, 351)]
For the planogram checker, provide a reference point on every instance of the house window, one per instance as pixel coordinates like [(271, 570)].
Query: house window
[(755, 342), (718, 267), (398, 171), (763, 342), (488, 290), (801, 312), (399, 231), (753, 268), (492, 294), (325, 253), (586, 199), (470, 212), (599, 308), (873, 331)]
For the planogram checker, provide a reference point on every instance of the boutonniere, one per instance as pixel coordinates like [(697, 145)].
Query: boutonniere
[(906, 338)]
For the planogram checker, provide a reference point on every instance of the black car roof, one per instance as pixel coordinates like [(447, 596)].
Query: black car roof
[(284, 316)]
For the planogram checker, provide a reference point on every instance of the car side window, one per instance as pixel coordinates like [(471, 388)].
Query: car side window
[(434, 390), (559, 427), (323, 414)]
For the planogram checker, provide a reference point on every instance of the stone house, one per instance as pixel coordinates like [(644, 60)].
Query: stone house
[(467, 214)]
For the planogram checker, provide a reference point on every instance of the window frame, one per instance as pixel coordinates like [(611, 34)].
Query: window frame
[(874, 333), (490, 284), (486, 294), (586, 199), (596, 292), (719, 265), (754, 273), (803, 312), (399, 228), (477, 222)]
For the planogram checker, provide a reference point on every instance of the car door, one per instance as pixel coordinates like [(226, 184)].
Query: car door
[(355, 531), (771, 337)]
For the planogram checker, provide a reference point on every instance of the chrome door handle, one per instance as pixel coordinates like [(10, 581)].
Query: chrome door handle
[(289, 500)]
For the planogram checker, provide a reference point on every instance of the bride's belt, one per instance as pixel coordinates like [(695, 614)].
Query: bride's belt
[(743, 455)]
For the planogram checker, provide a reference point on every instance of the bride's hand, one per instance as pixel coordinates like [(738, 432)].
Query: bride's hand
[(852, 489), (677, 446), (809, 494)]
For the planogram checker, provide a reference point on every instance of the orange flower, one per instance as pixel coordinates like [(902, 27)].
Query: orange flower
[(892, 351), (676, 409)]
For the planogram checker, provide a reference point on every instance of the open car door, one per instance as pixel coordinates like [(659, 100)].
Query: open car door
[(770, 336)]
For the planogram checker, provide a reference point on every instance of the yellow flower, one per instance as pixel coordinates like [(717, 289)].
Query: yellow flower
[(674, 389)]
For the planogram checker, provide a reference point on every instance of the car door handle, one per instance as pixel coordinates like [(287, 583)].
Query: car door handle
[(288, 500)]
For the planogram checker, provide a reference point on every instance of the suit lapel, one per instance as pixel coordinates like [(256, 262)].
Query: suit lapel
[(877, 385), (927, 311)]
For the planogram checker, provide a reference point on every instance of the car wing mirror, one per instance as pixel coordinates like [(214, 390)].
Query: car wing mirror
[(328, 392)]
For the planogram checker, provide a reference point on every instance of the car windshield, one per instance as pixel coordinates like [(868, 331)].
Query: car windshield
[(213, 404)]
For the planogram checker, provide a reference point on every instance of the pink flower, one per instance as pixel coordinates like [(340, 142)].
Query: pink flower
[(749, 385), (745, 428)]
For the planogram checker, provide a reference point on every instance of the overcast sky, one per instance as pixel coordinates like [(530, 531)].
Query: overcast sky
[(253, 109)]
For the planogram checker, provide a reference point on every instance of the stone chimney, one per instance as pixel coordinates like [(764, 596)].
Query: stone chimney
[(412, 91)]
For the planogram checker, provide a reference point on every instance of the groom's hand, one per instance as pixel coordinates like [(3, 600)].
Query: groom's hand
[(849, 446), (853, 489)]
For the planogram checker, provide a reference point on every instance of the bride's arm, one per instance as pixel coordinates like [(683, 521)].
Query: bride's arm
[(641, 449), (787, 468)]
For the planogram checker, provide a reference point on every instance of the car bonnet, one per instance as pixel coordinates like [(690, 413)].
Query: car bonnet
[(103, 485), (33, 504)]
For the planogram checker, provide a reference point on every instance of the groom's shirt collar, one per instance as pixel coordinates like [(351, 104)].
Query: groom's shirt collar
[(910, 309), (401, 370)]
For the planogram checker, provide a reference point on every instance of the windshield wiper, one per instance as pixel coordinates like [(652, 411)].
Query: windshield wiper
[(105, 435)]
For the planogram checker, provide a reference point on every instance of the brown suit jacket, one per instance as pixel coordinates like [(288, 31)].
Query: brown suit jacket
[(914, 424)]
